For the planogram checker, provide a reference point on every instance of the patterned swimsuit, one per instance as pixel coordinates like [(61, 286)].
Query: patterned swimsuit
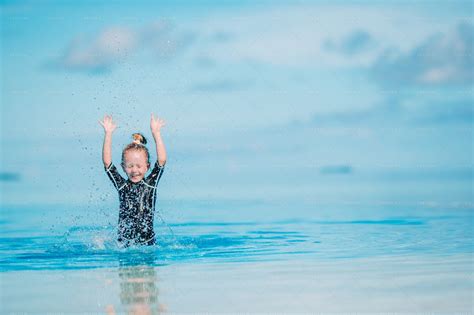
[(137, 206)]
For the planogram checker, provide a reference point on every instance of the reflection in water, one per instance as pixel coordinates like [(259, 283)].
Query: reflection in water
[(138, 284)]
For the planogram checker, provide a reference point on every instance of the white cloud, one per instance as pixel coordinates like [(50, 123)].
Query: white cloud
[(438, 75), (294, 35), (444, 58), (102, 51), (108, 47), (299, 35)]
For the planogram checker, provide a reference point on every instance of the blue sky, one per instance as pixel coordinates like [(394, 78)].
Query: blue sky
[(259, 83)]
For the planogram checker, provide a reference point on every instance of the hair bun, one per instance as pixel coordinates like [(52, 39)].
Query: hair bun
[(138, 138)]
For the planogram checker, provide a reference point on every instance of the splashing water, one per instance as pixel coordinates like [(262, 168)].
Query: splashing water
[(39, 245)]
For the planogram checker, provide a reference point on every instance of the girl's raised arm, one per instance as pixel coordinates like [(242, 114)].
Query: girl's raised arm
[(109, 127), (155, 125)]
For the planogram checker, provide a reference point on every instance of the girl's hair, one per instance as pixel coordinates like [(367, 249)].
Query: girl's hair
[(137, 144)]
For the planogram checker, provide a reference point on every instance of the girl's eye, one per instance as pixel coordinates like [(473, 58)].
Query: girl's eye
[(132, 165)]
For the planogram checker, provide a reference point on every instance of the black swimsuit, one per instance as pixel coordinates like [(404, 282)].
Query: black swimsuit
[(137, 206)]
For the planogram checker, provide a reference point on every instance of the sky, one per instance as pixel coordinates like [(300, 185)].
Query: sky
[(257, 86)]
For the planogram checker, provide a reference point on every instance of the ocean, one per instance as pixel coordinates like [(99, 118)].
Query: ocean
[(399, 241)]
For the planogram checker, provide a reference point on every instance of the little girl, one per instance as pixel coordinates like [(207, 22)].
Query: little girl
[(137, 195)]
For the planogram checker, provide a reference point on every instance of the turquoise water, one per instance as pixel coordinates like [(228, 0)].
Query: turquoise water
[(302, 244), (59, 238)]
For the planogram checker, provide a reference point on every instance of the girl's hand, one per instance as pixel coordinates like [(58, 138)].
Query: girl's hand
[(156, 123), (108, 124)]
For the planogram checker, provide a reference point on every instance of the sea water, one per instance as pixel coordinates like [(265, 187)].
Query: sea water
[(354, 247)]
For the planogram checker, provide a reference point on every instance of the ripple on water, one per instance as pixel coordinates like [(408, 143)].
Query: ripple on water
[(96, 247)]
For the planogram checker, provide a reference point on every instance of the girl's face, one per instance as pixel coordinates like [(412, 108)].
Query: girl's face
[(135, 164)]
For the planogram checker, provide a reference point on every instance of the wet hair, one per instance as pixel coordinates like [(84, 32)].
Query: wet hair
[(138, 138), (137, 144)]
